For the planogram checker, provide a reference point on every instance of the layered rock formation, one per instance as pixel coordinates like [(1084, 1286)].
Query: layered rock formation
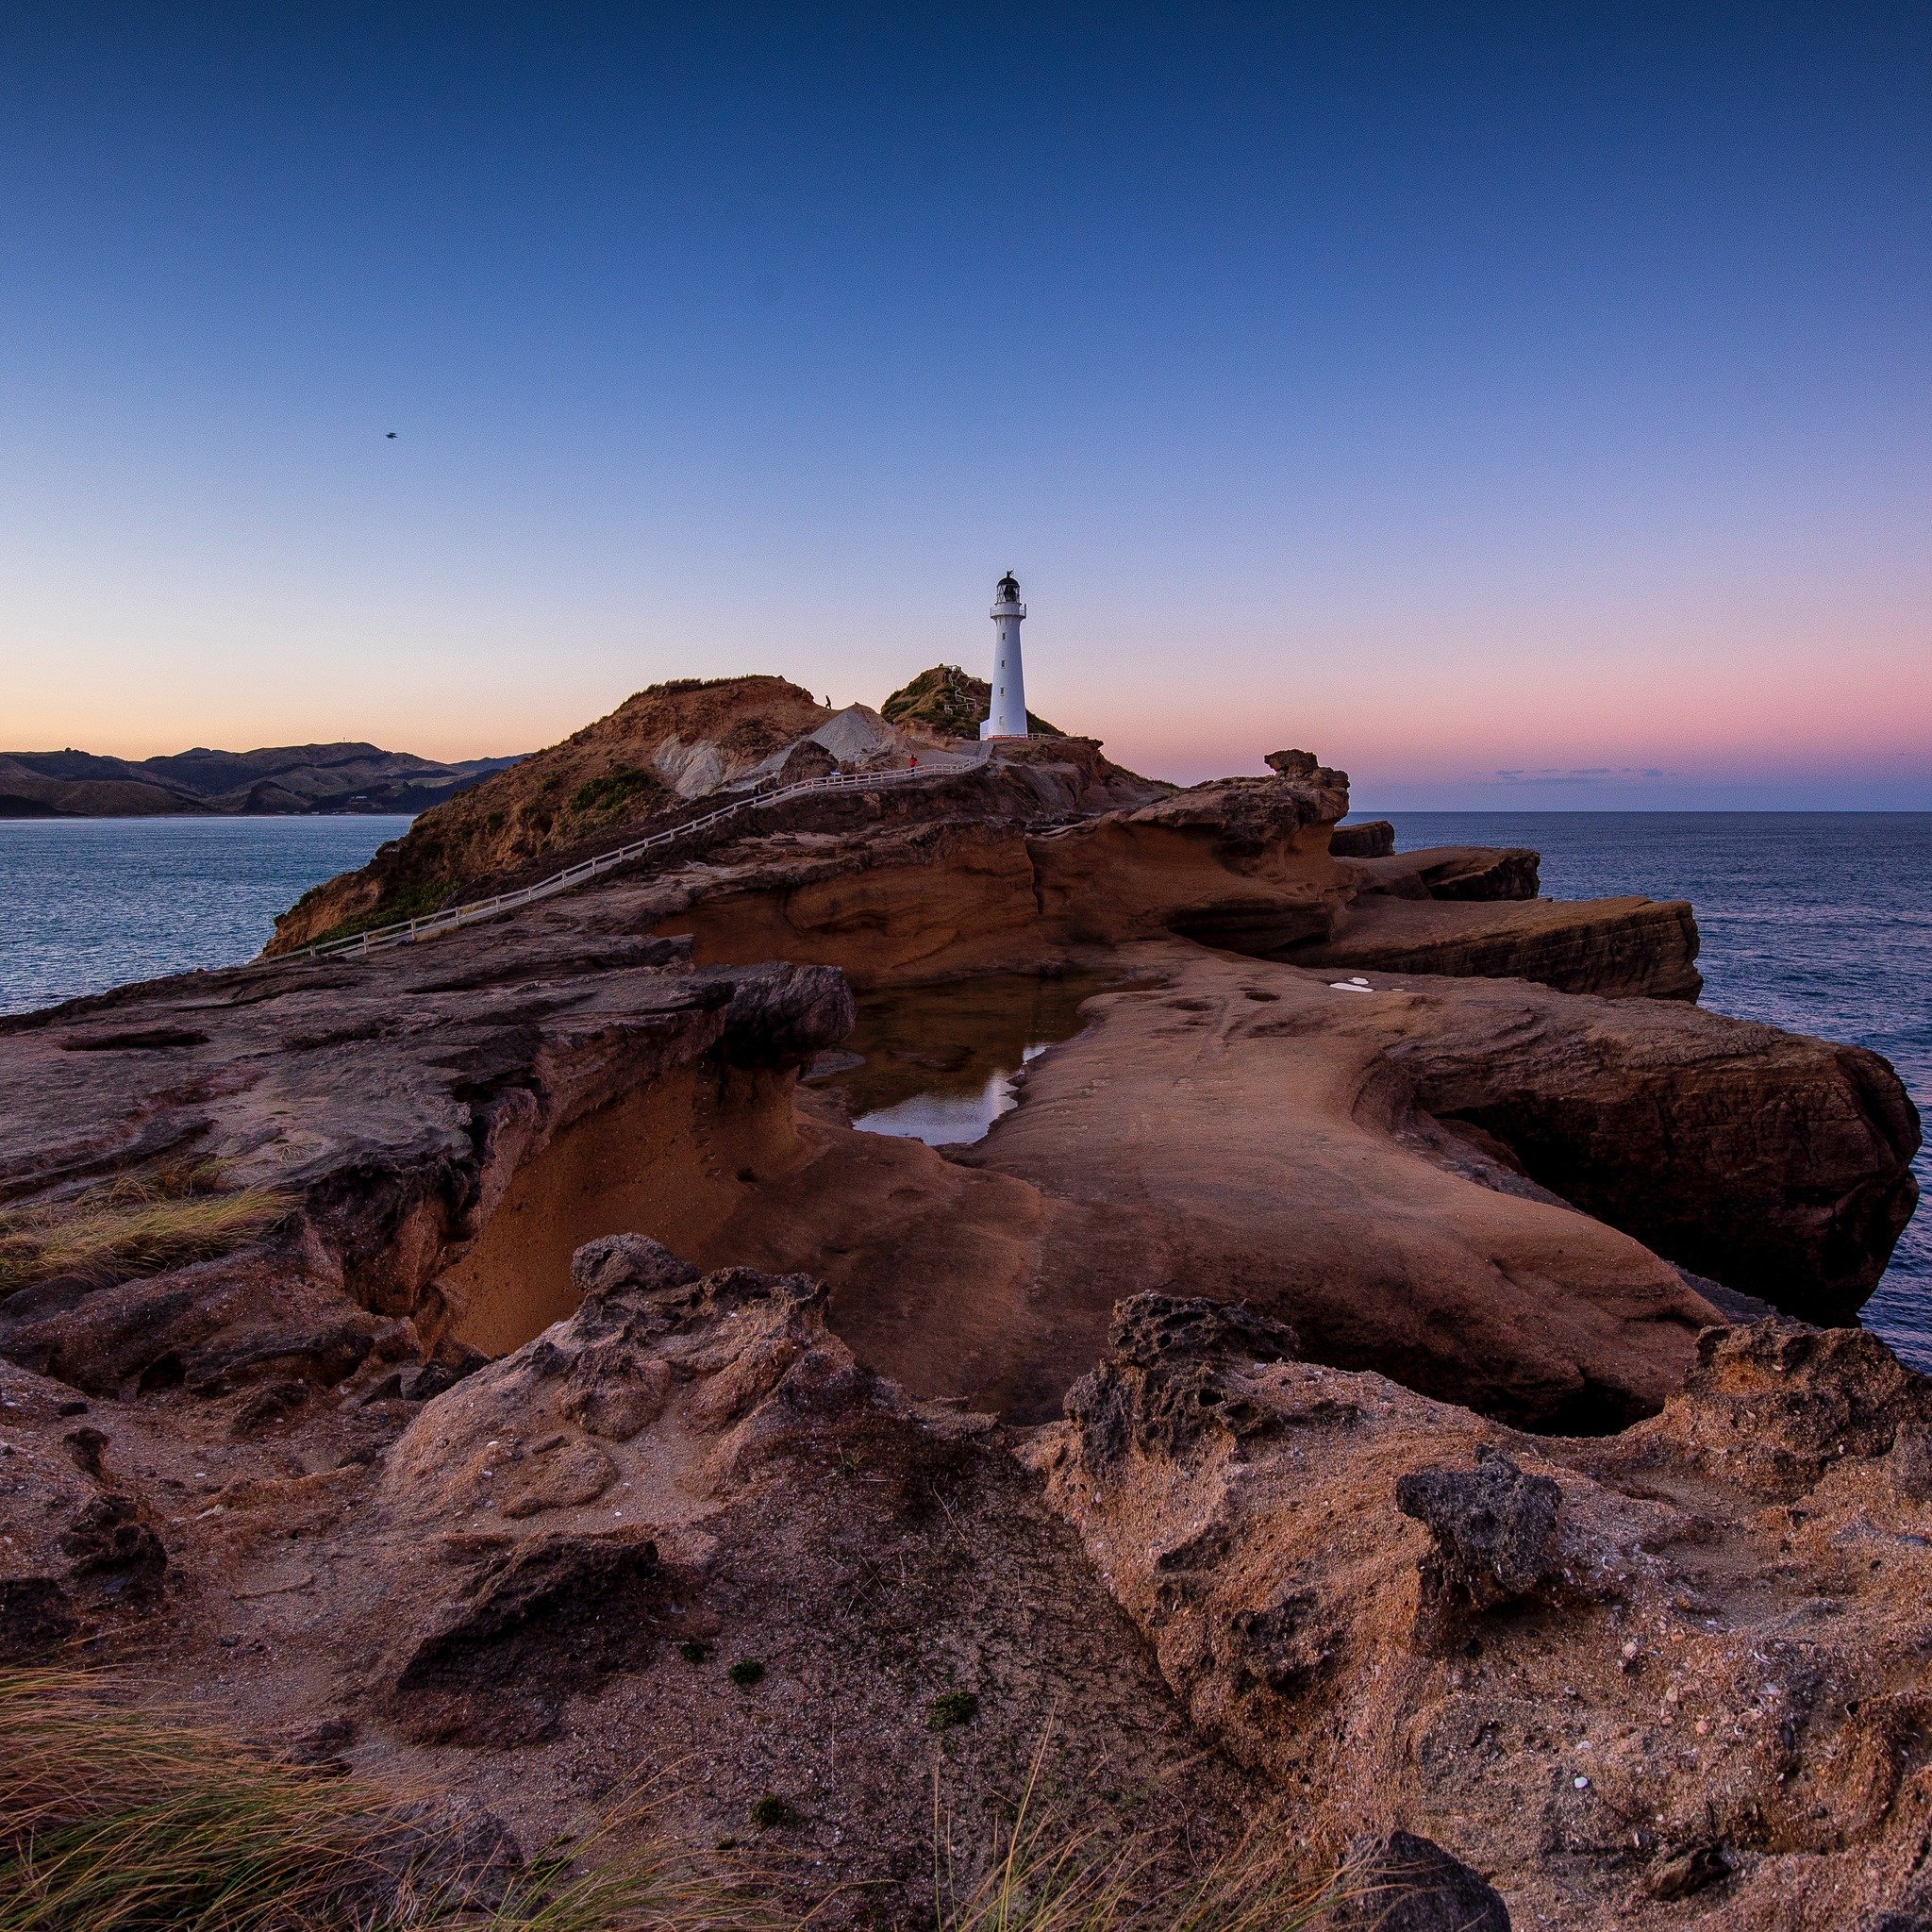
[(1621, 947), (343, 1388), (376, 1117)]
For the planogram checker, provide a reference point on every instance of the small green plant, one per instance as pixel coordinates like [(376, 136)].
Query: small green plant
[(774, 1814), (400, 900), (953, 1708), (747, 1672), (693, 1651), (603, 797)]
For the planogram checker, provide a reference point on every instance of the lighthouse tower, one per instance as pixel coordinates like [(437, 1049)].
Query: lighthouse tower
[(1008, 717)]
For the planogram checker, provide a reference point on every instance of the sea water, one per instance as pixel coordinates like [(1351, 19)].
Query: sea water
[(86, 904), (1818, 922)]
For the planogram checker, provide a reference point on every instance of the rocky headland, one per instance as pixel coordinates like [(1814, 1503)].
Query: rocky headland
[(1391, 1387)]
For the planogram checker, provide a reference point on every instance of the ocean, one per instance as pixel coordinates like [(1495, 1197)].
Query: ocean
[(86, 904), (1818, 922)]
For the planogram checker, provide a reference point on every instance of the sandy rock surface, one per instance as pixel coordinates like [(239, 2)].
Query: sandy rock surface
[(525, 1592)]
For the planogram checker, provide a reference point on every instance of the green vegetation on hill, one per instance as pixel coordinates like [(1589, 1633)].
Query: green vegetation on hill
[(613, 792), (619, 775), (952, 703)]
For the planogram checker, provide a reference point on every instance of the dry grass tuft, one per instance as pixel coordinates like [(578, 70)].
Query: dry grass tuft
[(135, 1225), (113, 1820), (1051, 1875)]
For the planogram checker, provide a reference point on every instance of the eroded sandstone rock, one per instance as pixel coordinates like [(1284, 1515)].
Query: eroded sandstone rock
[(1690, 1664), (1617, 948), (381, 1113), (1258, 1131)]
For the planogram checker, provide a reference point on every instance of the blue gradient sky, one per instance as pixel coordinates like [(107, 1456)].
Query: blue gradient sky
[(1521, 406)]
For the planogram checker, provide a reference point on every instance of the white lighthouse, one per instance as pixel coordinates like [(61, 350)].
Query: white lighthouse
[(1007, 716)]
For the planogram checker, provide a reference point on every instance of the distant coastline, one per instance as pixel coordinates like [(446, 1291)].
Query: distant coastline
[(293, 780)]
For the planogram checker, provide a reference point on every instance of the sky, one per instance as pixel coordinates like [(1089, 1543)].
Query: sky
[(1518, 407)]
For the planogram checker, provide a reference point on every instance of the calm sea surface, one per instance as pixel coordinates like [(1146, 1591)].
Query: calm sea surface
[(1817, 921), (88, 903)]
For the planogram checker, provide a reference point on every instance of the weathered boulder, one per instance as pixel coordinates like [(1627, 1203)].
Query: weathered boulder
[(859, 1553), (1372, 838), (1496, 1528), (1396, 1882), (1689, 1130)]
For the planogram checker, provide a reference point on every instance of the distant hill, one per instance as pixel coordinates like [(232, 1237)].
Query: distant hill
[(283, 779)]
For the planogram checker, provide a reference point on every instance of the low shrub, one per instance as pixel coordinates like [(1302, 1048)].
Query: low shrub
[(952, 1707), (605, 796)]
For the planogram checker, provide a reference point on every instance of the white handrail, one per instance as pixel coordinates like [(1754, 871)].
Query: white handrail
[(409, 932)]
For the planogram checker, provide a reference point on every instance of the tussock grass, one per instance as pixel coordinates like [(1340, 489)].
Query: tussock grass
[(113, 1820), (133, 1225), (1050, 1875)]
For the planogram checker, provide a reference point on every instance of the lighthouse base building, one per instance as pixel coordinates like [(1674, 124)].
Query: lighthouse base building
[(1007, 716)]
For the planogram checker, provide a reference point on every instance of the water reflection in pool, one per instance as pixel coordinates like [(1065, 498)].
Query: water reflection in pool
[(937, 1063)]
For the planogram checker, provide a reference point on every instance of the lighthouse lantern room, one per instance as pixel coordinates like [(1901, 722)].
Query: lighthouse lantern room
[(1007, 717)]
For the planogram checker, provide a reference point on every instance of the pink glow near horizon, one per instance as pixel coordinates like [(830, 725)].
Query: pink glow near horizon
[(1403, 707)]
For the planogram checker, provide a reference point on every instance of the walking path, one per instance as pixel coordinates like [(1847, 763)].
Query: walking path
[(937, 765)]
